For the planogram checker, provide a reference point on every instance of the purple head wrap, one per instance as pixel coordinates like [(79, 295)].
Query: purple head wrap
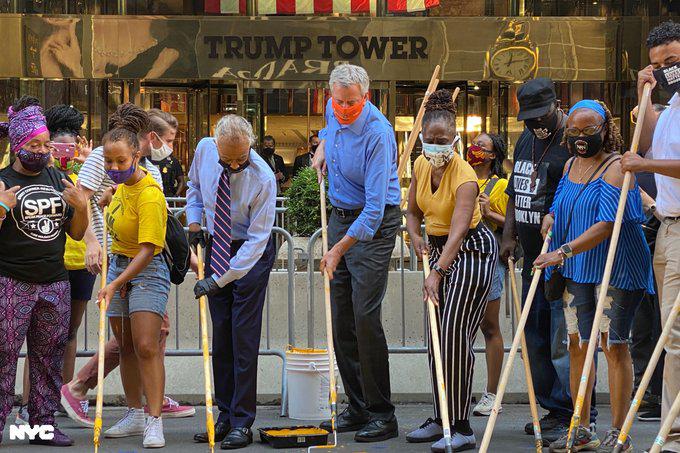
[(23, 126)]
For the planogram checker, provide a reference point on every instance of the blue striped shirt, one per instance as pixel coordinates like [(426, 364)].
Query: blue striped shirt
[(598, 203)]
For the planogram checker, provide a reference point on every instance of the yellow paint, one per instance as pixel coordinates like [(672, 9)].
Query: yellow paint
[(287, 432), (292, 350)]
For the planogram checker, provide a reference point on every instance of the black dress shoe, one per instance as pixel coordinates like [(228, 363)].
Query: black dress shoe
[(237, 438), (378, 430), (221, 431), (347, 421)]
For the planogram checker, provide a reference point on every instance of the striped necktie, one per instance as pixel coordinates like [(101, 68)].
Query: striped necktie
[(221, 244)]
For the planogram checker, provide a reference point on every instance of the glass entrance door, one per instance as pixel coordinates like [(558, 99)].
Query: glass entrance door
[(190, 106), (293, 111)]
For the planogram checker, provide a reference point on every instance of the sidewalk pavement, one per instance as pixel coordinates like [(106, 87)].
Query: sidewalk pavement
[(508, 436)]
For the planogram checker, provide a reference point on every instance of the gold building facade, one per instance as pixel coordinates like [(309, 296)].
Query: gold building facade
[(274, 70)]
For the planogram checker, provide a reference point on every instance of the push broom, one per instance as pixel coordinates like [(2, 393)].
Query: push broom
[(647, 377), (333, 392), (602, 296), (209, 422), (513, 350), (102, 343), (439, 371), (666, 427), (538, 441)]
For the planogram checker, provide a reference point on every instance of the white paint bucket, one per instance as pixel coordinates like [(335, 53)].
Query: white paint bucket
[(308, 387)]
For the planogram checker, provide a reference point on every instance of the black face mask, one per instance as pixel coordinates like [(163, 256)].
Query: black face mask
[(240, 168), (585, 146), (268, 152), (544, 127), (669, 78)]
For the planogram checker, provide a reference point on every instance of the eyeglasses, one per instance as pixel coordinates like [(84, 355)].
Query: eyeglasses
[(588, 130)]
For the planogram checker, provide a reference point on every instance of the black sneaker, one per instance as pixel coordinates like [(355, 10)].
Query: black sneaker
[(652, 414), (549, 422)]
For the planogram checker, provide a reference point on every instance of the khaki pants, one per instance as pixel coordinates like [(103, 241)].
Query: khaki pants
[(667, 271)]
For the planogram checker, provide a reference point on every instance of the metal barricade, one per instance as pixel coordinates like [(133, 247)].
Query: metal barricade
[(288, 266), (177, 207)]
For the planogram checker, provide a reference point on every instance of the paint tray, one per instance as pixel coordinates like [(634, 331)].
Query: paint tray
[(293, 436)]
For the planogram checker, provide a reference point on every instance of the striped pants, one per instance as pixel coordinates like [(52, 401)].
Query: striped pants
[(463, 300)]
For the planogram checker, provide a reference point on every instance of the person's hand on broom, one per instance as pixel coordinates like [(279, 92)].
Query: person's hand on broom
[(319, 161)]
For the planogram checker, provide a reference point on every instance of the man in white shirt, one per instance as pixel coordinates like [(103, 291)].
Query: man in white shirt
[(660, 139), (234, 189)]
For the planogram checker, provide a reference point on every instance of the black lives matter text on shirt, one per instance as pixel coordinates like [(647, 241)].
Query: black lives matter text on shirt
[(533, 201), (33, 235)]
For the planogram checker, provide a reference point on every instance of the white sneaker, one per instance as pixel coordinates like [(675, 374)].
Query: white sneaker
[(153, 433), (132, 424), (459, 442), (485, 405)]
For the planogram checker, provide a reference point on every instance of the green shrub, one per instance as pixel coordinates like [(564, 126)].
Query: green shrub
[(304, 214)]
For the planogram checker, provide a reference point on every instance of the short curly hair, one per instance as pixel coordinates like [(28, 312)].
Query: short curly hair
[(613, 142), (663, 34)]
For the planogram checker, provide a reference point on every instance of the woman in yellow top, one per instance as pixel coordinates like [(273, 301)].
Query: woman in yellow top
[(486, 156), (138, 280), (462, 253)]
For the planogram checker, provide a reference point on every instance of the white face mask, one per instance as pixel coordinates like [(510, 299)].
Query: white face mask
[(439, 155), (160, 153)]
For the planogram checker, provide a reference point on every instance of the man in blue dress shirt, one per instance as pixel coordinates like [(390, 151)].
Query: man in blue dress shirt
[(360, 156), (236, 189)]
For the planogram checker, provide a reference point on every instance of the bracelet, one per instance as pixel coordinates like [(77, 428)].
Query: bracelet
[(5, 207)]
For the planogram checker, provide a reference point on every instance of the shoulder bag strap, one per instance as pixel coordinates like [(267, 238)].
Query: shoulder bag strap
[(606, 163)]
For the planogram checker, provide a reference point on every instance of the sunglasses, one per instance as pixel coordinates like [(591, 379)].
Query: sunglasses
[(587, 131)]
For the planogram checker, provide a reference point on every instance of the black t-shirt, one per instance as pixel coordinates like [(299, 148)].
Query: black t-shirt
[(533, 202), (171, 170), (33, 235)]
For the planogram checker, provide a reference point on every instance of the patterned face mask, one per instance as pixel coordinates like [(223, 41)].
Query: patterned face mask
[(439, 155)]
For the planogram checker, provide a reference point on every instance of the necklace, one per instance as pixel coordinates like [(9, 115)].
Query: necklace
[(534, 164), (582, 172)]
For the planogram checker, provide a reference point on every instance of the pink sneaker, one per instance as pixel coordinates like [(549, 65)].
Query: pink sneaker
[(172, 409), (75, 408)]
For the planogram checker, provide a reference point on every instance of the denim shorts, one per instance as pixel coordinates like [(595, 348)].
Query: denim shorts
[(580, 300), (148, 291), (497, 282)]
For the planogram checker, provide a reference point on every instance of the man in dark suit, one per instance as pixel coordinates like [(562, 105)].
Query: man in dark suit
[(305, 160), (274, 161)]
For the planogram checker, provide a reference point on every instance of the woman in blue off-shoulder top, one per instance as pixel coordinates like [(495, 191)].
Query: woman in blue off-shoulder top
[(582, 220)]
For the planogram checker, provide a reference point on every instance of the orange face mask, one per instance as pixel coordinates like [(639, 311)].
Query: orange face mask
[(347, 115)]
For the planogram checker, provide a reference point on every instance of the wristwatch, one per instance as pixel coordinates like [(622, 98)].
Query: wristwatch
[(439, 270), (567, 251)]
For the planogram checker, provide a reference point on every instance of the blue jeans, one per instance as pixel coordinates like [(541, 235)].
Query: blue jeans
[(546, 336)]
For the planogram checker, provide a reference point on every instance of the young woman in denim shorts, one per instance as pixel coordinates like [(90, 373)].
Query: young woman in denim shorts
[(582, 221), (486, 156), (138, 280)]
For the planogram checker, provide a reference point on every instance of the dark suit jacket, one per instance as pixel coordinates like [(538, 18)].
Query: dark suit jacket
[(301, 162)]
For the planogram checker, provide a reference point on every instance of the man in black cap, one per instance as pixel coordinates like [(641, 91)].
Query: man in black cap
[(539, 160)]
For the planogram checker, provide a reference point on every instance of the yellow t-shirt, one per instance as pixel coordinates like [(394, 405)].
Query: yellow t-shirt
[(438, 207), (498, 199), (74, 254), (137, 215)]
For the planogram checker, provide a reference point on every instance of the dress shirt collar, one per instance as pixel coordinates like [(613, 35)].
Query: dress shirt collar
[(675, 100)]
